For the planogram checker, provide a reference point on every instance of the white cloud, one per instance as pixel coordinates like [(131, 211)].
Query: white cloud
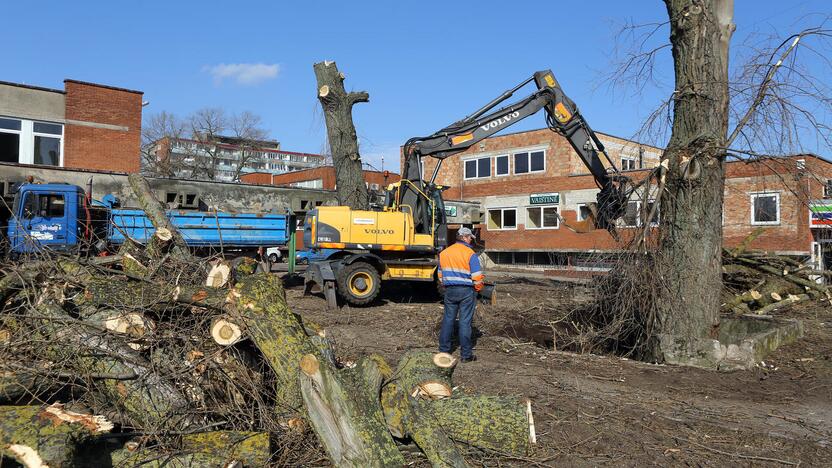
[(243, 73)]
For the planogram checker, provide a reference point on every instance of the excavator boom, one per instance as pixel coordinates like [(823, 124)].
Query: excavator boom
[(562, 116)]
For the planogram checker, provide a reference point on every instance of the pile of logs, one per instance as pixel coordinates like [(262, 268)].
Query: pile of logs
[(762, 283), (152, 357)]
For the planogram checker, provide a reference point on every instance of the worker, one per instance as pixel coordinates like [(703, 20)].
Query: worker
[(461, 275)]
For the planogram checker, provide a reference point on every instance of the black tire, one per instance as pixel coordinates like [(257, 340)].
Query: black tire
[(273, 257), (358, 283), (303, 261)]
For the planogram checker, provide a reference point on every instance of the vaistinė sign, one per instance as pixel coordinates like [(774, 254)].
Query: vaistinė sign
[(544, 198)]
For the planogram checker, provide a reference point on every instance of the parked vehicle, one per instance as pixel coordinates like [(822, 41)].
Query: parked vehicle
[(305, 257), (61, 217)]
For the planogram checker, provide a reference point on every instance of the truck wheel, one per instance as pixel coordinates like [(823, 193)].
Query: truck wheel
[(358, 283), (273, 258)]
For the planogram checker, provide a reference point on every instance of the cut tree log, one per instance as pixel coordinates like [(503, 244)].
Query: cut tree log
[(502, 424), (783, 303), (260, 303), (157, 458), (133, 324), (406, 418), (146, 400), (250, 448), (225, 332), (218, 275), (123, 294), (46, 437), (156, 214), (426, 375), (348, 418), (343, 141), (814, 288)]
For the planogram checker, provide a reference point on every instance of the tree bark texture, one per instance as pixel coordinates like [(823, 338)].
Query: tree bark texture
[(343, 140), (690, 249), (146, 401), (490, 422), (156, 214), (405, 416), (345, 411), (37, 436)]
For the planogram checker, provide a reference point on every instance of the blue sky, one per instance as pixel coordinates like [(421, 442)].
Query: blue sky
[(425, 64)]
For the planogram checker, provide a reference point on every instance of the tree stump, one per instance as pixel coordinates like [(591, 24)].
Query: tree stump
[(340, 129)]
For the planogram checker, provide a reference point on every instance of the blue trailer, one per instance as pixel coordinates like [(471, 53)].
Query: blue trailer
[(61, 217)]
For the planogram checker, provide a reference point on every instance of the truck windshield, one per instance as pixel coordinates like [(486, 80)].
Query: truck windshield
[(43, 205)]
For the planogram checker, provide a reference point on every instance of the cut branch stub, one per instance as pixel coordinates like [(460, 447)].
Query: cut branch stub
[(226, 332)]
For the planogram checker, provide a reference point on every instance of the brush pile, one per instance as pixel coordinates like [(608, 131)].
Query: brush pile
[(761, 283), (152, 357)]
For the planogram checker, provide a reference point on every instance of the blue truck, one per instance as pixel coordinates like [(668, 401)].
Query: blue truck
[(61, 217)]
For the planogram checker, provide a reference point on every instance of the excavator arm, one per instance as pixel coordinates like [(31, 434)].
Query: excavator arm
[(562, 116)]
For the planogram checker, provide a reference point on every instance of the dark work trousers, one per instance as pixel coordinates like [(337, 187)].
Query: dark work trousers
[(459, 300)]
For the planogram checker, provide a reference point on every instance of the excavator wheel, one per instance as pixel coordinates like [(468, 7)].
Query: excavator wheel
[(358, 283)]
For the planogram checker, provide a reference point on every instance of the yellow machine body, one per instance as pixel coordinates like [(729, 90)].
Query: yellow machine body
[(388, 234)]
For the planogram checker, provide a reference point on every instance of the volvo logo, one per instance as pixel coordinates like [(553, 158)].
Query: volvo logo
[(501, 121), (379, 231)]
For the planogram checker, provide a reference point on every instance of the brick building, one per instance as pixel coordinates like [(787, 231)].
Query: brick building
[(229, 157), (322, 177), (532, 185), (84, 126)]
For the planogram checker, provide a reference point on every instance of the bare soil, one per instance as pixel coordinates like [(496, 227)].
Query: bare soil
[(606, 410)]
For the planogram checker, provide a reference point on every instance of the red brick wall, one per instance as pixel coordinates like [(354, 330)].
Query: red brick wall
[(561, 162), (325, 173), (795, 187), (90, 147), (258, 178)]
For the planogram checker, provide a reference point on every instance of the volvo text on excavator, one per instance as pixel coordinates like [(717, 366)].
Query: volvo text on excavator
[(400, 242)]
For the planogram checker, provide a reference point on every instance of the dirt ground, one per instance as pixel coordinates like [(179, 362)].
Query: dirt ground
[(605, 410)]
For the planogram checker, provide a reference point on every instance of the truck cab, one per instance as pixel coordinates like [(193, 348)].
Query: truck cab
[(46, 215)]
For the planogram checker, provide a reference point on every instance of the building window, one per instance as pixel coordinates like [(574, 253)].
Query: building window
[(542, 217), (10, 130), (477, 168), (827, 189), (501, 165), (765, 208), (528, 162), (29, 142), (502, 218), (583, 212), (636, 211), (628, 164)]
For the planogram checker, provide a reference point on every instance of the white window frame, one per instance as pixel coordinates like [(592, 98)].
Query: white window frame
[(629, 159), (827, 189), (508, 159), (541, 207), (502, 218), (528, 160), (27, 134), (476, 158), (755, 195)]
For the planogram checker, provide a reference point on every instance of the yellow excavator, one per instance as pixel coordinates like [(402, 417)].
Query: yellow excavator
[(400, 242)]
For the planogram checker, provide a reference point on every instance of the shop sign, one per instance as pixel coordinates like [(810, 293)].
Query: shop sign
[(544, 199)]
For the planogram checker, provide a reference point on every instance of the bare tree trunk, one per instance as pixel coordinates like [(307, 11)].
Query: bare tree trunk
[(343, 141), (690, 254), (156, 214)]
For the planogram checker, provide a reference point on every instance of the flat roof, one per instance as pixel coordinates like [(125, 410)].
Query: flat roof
[(38, 88), (99, 85)]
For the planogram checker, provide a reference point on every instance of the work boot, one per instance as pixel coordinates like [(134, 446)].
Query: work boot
[(469, 359)]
